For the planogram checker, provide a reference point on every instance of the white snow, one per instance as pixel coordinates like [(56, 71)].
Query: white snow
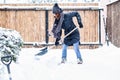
[(98, 64)]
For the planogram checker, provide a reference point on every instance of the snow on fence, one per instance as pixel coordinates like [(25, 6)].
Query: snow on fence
[(33, 21), (113, 22)]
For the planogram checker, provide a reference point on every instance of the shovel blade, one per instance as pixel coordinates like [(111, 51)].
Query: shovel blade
[(42, 52)]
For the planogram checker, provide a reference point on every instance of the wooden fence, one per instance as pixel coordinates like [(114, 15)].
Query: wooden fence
[(113, 22), (33, 21)]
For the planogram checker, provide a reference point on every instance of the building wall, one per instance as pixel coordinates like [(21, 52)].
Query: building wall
[(44, 1), (113, 22)]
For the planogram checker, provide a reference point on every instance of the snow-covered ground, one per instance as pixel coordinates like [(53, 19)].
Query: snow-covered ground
[(98, 64)]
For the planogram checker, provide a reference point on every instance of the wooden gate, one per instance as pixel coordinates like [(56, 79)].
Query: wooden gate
[(33, 21)]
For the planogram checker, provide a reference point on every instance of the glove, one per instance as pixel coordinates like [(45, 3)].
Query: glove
[(56, 43), (80, 25)]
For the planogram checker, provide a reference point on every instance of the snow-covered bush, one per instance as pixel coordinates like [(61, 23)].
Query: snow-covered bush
[(10, 43)]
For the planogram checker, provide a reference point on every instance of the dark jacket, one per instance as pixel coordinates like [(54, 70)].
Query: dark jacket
[(69, 25)]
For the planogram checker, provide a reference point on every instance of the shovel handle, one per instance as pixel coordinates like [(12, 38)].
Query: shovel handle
[(70, 32)]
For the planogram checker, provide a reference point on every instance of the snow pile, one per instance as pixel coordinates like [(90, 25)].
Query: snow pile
[(98, 64)]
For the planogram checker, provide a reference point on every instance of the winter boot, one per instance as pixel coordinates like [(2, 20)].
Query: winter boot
[(63, 60), (79, 61)]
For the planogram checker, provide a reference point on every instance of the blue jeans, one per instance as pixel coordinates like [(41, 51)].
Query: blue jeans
[(76, 49)]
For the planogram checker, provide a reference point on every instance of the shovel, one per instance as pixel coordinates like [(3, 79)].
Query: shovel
[(6, 60), (45, 50)]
